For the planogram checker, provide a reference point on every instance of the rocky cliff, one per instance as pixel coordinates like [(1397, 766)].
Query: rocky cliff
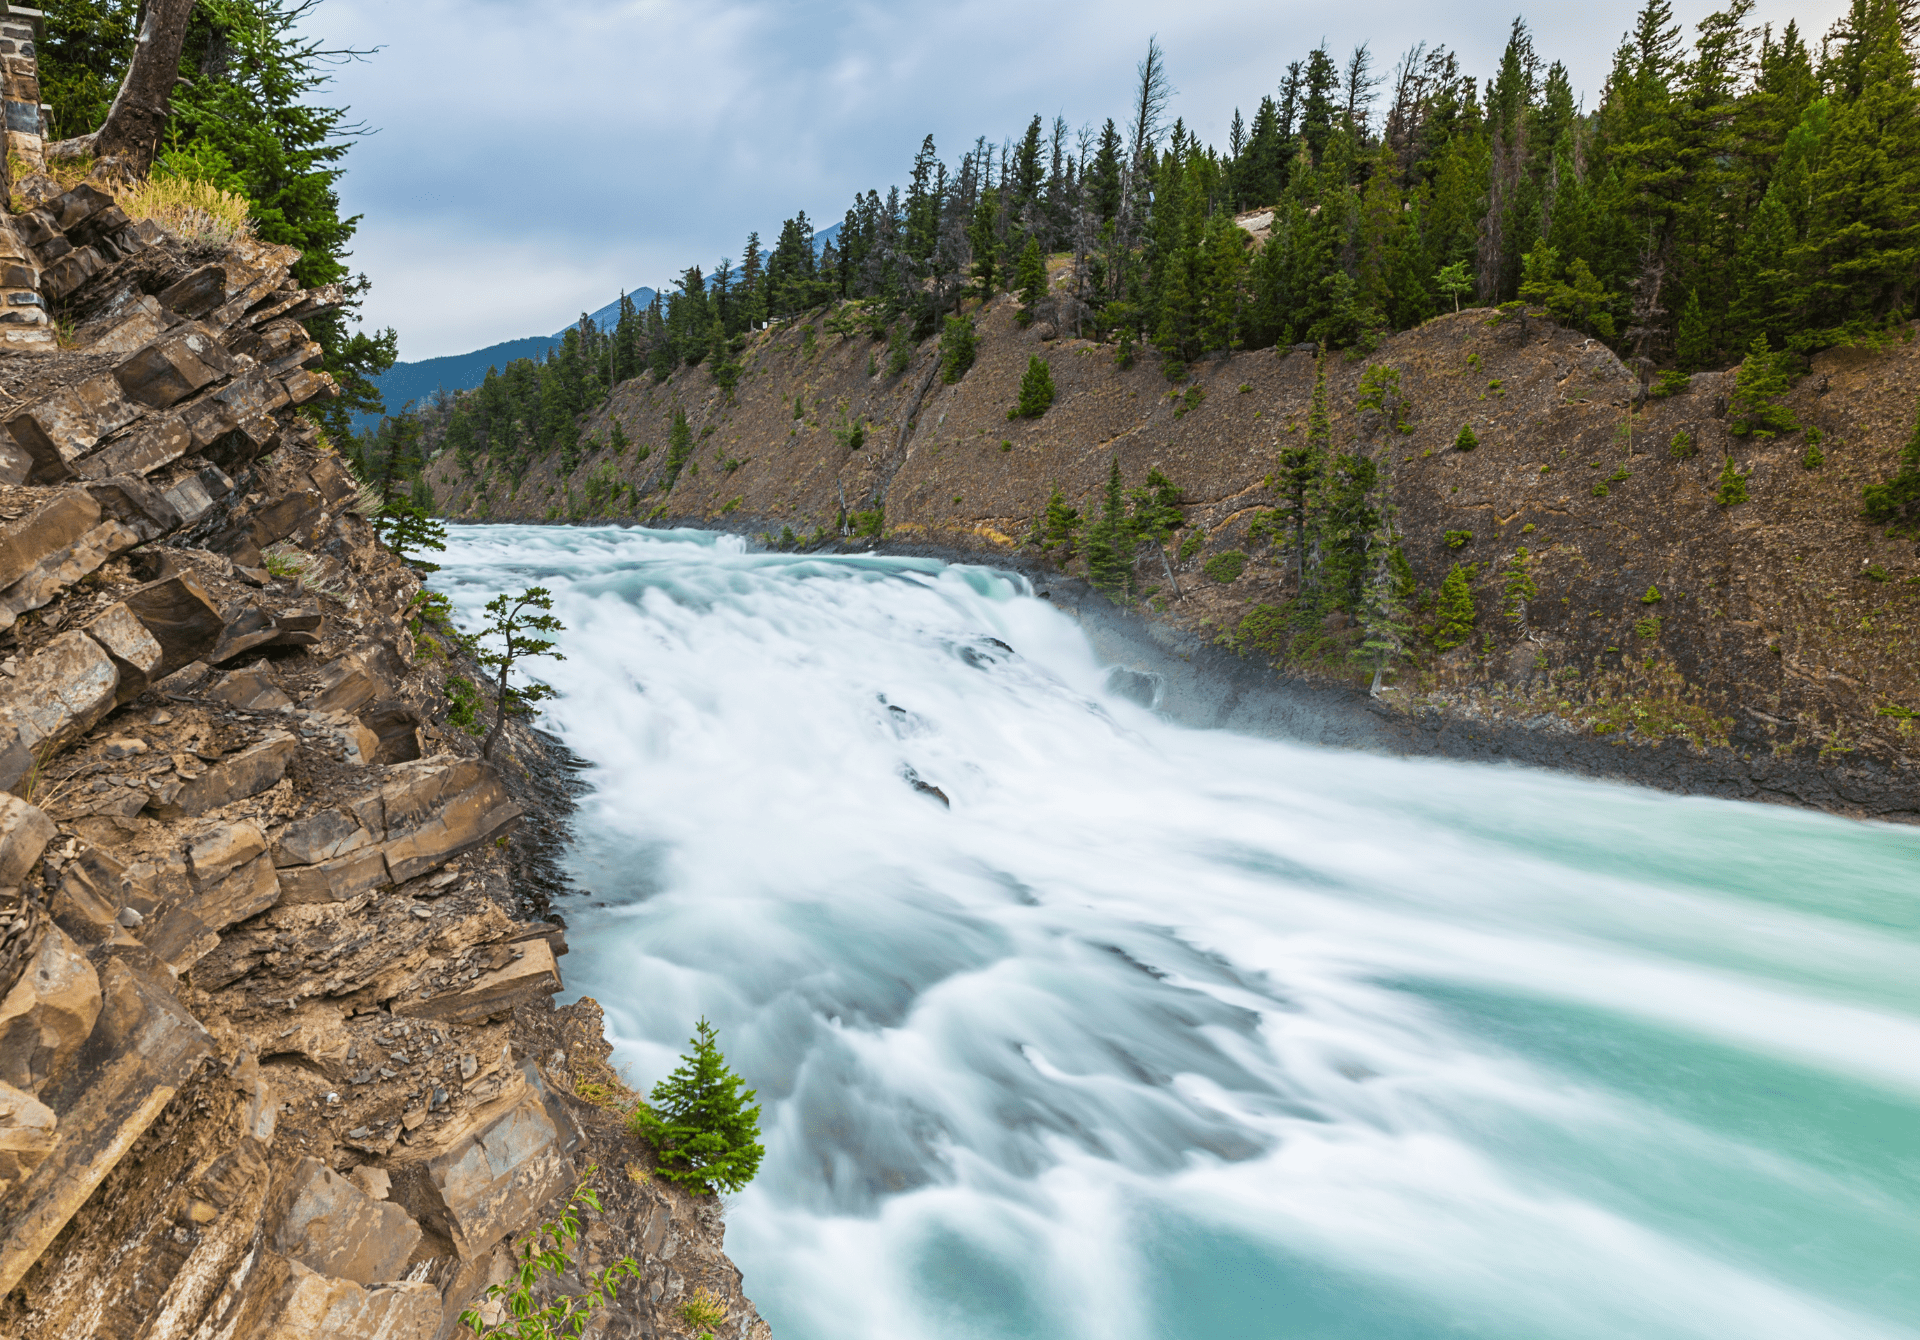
[(278, 1051), (1763, 648)]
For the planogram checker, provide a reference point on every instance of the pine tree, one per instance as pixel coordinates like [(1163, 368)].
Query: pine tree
[(1464, 440), (1694, 344), (679, 447), (1731, 487), (705, 1127), (1862, 248), (1036, 390), (1454, 613), (1111, 540), (984, 237), (1755, 406), (1030, 277), (1059, 525), (1298, 480), (957, 344)]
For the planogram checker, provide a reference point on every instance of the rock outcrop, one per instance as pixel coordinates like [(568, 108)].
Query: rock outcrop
[(271, 1004)]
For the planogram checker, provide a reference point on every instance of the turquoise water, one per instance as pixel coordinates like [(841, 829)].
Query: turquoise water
[(1169, 1033)]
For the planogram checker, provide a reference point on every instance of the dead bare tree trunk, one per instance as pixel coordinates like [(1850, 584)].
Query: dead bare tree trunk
[(138, 116)]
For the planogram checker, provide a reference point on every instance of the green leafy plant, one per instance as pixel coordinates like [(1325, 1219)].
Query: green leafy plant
[(1652, 597), (1453, 612), (1683, 447), (852, 434), (1758, 387), (1669, 383), (1036, 390), (1520, 587), (1454, 281), (1465, 440), (958, 345), (703, 1309), (1899, 497), (517, 622), (1601, 491), (680, 444), (1648, 627), (464, 705), (1459, 539), (1191, 545), (548, 1253), (1732, 486), (1225, 566), (1190, 401), (870, 523), (704, 1127)]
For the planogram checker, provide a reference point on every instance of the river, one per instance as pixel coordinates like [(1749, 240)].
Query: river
[(1163, 1033)]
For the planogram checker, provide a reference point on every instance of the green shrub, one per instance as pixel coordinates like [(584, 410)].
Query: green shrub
[(1188, 402), (1620, 476), (1732, 486), (704, 1126), (1758, 387), (1225, 567), (1465, 440), (680, 445), (1454, 613), (1459, 539), (1036, 390), (872, 523), (1671, 382), (1813, 458), (1652, 597), (548, 1251), (463, 705), (1648, 627), (1601, 491), (1683, 447), (958, 346), (1191, 545)]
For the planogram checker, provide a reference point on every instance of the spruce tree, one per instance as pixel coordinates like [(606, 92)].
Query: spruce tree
[(1694, 345), (705, 1127), (1036, 390), (1060, 525), (1030, 276), (1453, 615), (1731, 488), (957, 343), (679, 446), (984, 238), (1110, 541), (1755, 406)]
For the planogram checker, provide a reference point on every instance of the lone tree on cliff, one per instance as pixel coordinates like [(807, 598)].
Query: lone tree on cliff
[(517, 622), (705, 1127)]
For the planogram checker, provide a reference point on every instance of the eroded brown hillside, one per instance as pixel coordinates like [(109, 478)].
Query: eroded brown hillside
[(1771, 632)]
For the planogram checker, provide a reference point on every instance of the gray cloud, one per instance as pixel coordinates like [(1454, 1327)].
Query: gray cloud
[(530, 161)]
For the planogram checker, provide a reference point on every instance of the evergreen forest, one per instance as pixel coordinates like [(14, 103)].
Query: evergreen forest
[(1733, 185)]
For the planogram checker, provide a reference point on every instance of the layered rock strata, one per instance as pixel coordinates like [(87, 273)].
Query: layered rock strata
[(274, 1021)]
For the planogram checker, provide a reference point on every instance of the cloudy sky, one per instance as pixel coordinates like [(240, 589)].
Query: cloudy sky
[(533, 159)]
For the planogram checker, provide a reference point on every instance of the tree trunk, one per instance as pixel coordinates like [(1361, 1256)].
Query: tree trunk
[(500, 714), (138, 116)]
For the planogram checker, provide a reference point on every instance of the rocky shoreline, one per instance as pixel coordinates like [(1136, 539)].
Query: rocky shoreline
[(278, 1049)]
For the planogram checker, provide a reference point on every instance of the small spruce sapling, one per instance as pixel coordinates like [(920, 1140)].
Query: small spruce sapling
[(1758, 387), (516, 622), (1030, 277), (1454, 614), (704, 1125), (1036, 390), (1465, 440), (1898, 498), (1732, 486), (957, 341), (680, 444)]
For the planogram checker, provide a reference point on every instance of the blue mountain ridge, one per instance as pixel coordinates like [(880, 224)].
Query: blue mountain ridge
[(406, 383)]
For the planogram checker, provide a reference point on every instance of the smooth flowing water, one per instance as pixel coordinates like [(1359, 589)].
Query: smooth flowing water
[(1160, 1032)]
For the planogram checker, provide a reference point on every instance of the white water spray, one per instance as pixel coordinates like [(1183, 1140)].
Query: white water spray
[(1168, 1033)]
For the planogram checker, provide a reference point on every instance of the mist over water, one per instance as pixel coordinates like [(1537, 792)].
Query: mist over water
[(1160, 1032)]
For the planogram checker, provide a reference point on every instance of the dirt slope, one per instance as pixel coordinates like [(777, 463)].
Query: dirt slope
[(1778, 634)]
